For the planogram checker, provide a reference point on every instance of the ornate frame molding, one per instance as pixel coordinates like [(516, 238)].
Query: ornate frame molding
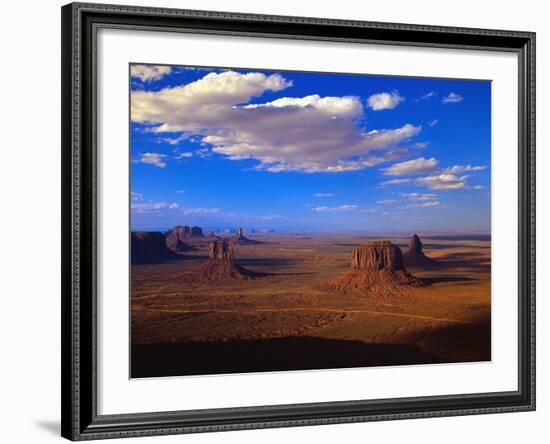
[(80, 22)]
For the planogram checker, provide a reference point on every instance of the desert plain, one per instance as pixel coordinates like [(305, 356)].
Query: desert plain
[(290, 315)]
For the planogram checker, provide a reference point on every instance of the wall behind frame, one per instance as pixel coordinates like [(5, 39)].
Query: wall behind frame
[(30, 222)]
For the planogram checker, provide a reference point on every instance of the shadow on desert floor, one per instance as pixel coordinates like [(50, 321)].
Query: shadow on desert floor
[(284, 353), (439, 246), (441, 279), (172, 258), (462, 237), (454, 262), (266, 262), (461, 343)]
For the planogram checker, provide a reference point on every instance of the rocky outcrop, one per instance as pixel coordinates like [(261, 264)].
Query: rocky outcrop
[(178, 238), (377, 266), (221, 265), (185, 231), (175, 239), (377, 255), (415, 257), (240, 239), (196, 232), (149, 247), (220, 250)]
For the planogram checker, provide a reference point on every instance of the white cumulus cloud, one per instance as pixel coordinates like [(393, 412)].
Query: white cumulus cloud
[(395, 182), (430, 204), (380, 101), (452, 98), (419, 196), (203, 153), (155, 159), (414, 166), (148, 206), (433, 203), (175, 140), (431, 176), (335, 209), (420, 145), (200, 211), (307, 134), (428, 95), (203, 102), (184, 155), (444, 182), (147, 73), (457, 169)]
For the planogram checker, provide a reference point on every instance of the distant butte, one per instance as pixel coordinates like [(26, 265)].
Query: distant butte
[(415, 257), (175, 239), (196, 232), (186, 231), (377, 265), (221, 265), (240, 239), (149, 247)]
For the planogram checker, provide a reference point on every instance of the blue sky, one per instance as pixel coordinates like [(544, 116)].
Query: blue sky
[(308, 151)]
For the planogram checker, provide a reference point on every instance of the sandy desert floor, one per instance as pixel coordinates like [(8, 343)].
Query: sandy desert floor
[(292, 319)]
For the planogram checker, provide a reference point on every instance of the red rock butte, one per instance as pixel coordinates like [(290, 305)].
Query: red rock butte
[(175, 238), (219, 250), (377, 255), (149, 247), (377, 265), (240, 239), (415, 257), (221, 265)]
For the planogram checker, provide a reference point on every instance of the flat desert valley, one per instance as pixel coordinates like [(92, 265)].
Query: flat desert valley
[(290, 310)]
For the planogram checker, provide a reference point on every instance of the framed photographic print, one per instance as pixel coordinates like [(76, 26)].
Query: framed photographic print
[(280, 221)]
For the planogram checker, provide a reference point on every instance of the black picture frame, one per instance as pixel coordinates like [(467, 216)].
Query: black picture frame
[(80, 22)]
